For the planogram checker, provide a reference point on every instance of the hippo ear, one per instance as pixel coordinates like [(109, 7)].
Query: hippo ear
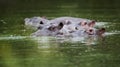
[(60, 26)]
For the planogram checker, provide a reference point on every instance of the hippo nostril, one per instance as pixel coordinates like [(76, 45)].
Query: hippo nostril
[(90, 30)]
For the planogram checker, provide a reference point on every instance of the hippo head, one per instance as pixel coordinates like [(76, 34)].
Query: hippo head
[(93, 31), (50, 30), (36, 22)]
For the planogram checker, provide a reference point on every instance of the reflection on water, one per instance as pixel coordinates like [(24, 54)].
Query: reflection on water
[(45, 51)]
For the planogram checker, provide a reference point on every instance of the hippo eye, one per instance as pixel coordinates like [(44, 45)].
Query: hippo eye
[(41, 22), (76, 28)]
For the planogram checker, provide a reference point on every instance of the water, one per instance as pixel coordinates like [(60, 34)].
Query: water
[(18, 49)]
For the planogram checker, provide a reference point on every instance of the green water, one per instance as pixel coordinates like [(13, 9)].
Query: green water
[(25, 51)]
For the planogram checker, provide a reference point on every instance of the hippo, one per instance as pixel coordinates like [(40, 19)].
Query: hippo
[(63, 26), (50, 30), (84, 33), (36, 22), (66, 20)]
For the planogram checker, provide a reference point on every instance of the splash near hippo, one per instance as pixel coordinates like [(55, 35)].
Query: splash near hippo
[(64, 27)]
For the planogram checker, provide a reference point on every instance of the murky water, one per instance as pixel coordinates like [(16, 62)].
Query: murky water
[(18, 49)]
